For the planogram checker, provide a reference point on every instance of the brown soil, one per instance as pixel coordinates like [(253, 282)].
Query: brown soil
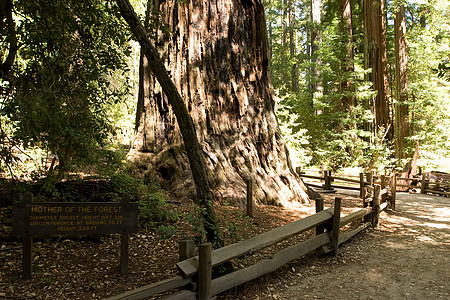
[(405, 258)]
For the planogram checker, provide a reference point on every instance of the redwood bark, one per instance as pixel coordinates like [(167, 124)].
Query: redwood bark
[(217, 55), (401, 83), (376, 59), (347, 66)]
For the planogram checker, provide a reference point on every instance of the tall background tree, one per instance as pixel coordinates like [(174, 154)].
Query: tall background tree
[(320, 126), (427, 29), (375, 25), (401, 120), (347, 67)]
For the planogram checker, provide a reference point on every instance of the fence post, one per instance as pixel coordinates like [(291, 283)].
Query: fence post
[(204, 272), (319, 207), (364, 196), (383, 181), (383, 185), (186, 249), (423, 185), (393, 191), (124, 243), (369, 177), (327, 178), (27, 247), (364, 190), (366, 201), (336, 226), (361, 185), (376, 205), (250, 198), (324, 169)]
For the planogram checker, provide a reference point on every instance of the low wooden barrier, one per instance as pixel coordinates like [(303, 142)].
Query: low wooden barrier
[(196, 279), (440, 186), (364, 184)]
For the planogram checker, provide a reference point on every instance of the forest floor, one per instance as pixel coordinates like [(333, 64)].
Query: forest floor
[(406, 257)]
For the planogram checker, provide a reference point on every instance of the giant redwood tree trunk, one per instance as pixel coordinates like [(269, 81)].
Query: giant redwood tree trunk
[(217, 54)]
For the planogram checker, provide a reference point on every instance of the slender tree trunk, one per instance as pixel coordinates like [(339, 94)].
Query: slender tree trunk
[(195, 156), (316, 40), (284, 21), (348, 101), (401, 83), (385, 120), (217, 55), (423, 16), (376, 59), (292, 48), (7, 21)]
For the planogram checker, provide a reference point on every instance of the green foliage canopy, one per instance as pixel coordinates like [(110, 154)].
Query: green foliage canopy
[(316, 125), (68, 73)]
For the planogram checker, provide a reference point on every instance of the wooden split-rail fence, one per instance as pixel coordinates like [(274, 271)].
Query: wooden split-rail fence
[(195, 280), (432, 182)]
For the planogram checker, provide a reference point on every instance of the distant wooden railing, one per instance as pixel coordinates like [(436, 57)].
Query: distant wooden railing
[(196, 279), (421, 182)]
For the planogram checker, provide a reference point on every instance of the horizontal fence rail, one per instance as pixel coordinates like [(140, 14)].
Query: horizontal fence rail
[(440, 186), (196, 280), (189, 267), (266, 266), (153, 289)]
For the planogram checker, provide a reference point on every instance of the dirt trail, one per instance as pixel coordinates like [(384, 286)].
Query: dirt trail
[(406, 257)]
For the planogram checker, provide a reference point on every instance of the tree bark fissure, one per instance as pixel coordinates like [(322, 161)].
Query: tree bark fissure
[(217, 54)]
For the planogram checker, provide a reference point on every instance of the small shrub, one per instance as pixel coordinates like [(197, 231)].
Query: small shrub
[(154, 209), (166, 231), (123, 183), (197, 228)]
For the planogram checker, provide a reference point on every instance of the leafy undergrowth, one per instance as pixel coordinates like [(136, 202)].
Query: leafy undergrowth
[(88, 267)]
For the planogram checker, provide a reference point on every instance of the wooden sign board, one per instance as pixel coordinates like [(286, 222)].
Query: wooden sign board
[(74, 218)]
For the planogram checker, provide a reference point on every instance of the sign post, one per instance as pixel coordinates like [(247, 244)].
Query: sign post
[(27, 247)]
